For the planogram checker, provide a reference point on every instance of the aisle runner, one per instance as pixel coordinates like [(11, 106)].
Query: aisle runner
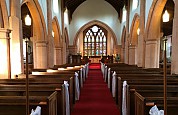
[(95, 98)]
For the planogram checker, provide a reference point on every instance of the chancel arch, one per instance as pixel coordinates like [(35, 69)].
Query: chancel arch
[(111, 38)]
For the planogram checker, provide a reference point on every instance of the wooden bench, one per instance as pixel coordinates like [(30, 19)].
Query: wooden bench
[(16, 105), (151, 90), (37, 85), (143, 104)]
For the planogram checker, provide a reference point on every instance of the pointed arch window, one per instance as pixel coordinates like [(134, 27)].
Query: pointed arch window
[(95, 41)]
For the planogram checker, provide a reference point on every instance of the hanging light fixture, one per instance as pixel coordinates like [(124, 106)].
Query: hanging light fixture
[(53, 33), (166, 16), (138, 31), (27, 20)]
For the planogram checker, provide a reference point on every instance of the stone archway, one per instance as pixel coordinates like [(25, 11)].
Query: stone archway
[(111, 36), (153, 34), (39, 34), (4, 14), (5, 66), (57, 42), (123, 44), (65, 46), (133, 41)]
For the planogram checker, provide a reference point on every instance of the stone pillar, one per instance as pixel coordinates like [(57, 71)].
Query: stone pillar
[(132, 55), (50, 38), (16, 38), (174, 62), (126, 55), (64, 52), (5, 69), (126, 60), (58, 56), (141, 40), (41, 55), (122, 54), (152, 54)]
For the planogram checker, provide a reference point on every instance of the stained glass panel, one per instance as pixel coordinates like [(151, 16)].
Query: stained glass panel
[(104, 39), (93, 39), (97, 39), (101, 39), (95, 42)]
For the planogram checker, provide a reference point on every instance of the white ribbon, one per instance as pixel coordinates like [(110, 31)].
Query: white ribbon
[(124, 109), (114, 84), (105, 74), (66, 85), (155, 111), (37, 111), (109, 73), (77, 89)]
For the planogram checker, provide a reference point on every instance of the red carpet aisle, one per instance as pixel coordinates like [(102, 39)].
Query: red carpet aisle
[(95, 98)]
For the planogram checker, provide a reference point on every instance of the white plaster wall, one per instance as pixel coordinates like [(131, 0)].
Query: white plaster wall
[(148, 5), (58, 15), (94, 10), (8, 6), (44, 10), (120, 32), (133, 12)]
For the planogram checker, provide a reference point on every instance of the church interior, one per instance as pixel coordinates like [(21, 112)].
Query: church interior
[(83, 57)]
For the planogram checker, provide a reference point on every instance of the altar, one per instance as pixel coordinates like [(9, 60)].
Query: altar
[(94, 59)]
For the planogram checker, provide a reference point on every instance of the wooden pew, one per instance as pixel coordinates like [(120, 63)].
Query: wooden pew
[(65, 77), (16, 105), (139, 81), (151, 90), (144, 103), (38, 85), (61, 72)]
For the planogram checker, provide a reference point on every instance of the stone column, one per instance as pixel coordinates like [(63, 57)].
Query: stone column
[(50, 38), (126, 60), (41, 55), (16, 38), (64, 52), (141, 40), (122, 54), (5, 68), (132, 55), (57, 55), (174, 62), (126, 55), (152, 54)]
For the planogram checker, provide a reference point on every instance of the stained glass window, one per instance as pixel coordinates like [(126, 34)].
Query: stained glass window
[(95, 41)]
